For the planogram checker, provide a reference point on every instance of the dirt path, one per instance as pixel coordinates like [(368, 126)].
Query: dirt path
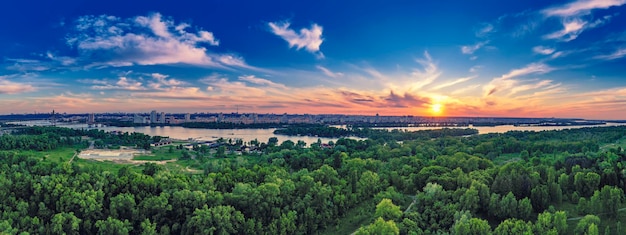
[(75, 154)]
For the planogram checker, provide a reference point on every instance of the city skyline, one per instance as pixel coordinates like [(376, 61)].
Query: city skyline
[(461, 59)]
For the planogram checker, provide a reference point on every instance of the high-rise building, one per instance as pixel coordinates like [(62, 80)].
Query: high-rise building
[(187, 117), (153, 116), (91, 119), (162, 119)]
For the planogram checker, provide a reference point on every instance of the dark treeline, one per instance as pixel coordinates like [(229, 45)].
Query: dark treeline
[(48, 138), (394, 135), (453, 184)]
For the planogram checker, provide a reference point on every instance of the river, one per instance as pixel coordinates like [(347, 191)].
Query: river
[(263, 135)]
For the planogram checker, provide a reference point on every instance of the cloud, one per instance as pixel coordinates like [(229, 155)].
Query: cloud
[(470, 49), (421, 78), (63, 60), (543, 50), (572, 15), (485, 30), (160, 82), (309, 39), (261, 81), (475, 68), (619, 53), (389, 100), (406, 101), (355, 97), (28, 65), (144, 40), (123, 83), (581, 7), (9, 87), (452, 83), (571, 30), (505, 82), (534, 68), (328, 72)]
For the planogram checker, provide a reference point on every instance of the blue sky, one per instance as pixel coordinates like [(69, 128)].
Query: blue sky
[(478, 58)]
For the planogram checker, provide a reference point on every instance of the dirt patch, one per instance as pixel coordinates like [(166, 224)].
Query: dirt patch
[(120, 156), (107, 154), (139, 162)]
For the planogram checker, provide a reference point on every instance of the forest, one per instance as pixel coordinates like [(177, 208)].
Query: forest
[(549, 182)]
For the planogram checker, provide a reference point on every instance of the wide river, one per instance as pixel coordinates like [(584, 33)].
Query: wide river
[(263, 135)]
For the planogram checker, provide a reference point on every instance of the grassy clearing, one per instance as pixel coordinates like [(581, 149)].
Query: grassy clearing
[(355, 218), (102, 165), (506, 158), (605, 221), (359, 216), (619, 143), (161, 154), (58, 155)]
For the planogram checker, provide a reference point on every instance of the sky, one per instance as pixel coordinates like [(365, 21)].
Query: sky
[(423, 58)]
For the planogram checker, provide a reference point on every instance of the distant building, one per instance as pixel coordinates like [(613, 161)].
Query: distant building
[(91, 119), (139, 119), (162, 119), (153, 116), (187, 117)]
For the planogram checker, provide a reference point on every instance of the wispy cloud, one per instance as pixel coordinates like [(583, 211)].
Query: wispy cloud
[(145, 40), (619, 53), (423, 77), (454, 82), (161, 82), (571, 30), (261, 81), (309, 39), (573, 20), (581, 7), (484, 30), (122, 83), (470, 49), (543, 50), (329, 73), (506, 83), (475, 68), (10, 87), (534, 68)]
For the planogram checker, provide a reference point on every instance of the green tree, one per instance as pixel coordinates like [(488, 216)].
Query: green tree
[(380, 226), (470, 226), (586, 222), (148, 228), (113, 226), (123, 207), (387, 210), (540, 198), (470, 200), (513, 227), (592, 230), (220, 152), (586, 183), (508, 205), (65, 223), (215, 220), (559, 222), (524, 209)]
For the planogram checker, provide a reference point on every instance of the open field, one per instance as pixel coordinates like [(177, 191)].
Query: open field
[(619, 143)]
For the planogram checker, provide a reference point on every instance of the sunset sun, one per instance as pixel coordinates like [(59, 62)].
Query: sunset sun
[(436, 109)]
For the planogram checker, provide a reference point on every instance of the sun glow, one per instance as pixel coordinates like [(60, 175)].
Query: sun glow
[(436, 109)]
